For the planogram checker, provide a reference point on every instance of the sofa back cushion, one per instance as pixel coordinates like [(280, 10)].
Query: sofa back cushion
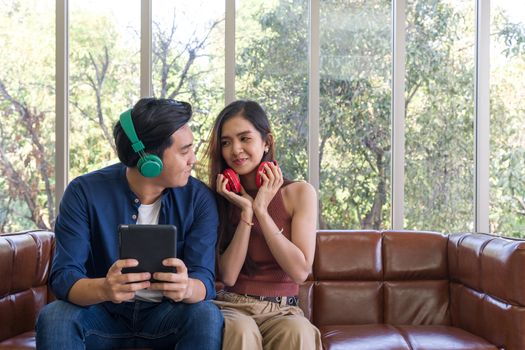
[(24, 267), (364, 277), (488, 280), (416, 283)]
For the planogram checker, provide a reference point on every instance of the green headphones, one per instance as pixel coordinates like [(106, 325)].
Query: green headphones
[(149, 165)]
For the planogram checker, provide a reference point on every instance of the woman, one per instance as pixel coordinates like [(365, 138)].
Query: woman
[(266, 235)]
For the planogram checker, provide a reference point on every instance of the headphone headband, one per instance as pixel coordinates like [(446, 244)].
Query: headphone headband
[(127, 125), (149, 165)]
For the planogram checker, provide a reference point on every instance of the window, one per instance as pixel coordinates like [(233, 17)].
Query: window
[(507, 120), (188, 62), (27, 114), (439, 99), (272, 68), (355, 95), (104, 66)]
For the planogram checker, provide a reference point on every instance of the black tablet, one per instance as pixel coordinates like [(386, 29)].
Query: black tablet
[(149, 244)]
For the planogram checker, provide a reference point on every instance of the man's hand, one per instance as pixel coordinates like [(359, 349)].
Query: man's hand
[(119, 287), (176, 286)]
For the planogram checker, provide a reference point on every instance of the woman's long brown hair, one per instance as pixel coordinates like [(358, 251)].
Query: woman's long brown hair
[(253, 113)]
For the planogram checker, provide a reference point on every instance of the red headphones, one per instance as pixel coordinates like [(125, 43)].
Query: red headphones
[(234, 183)]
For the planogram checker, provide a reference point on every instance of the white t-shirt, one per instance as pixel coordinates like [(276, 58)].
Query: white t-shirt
[(149, 215)]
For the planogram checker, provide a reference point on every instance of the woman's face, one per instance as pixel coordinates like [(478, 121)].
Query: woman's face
[(242, 146)]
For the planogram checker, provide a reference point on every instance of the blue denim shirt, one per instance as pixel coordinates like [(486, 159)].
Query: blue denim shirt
[(95, 204)]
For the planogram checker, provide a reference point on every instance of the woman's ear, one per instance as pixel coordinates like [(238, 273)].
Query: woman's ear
[(268, 143)]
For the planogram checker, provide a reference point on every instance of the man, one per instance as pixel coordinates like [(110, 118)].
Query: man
[(100, 307)]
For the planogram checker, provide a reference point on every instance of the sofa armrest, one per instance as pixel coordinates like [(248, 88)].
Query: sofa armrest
[(487, 287), (25, 261)]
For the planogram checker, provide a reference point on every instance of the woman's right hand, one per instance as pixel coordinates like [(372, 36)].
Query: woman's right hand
[(244, 201)]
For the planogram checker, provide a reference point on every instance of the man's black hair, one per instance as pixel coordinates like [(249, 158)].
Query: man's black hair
[(155, 120)]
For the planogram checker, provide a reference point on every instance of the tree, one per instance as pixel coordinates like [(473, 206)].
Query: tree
[(26, 129), (355, 105), (354, 139), (272, 68), (507, 144), (103, 82), (188, 66)]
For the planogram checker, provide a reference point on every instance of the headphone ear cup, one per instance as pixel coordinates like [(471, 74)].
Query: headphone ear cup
[(234, 183), (258, 178), (150, 165)]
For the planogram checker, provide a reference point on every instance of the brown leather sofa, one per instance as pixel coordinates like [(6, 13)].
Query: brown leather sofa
[(369, 290), (417, 290), (24, 267)]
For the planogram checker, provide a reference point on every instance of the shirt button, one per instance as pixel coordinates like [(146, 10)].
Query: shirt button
[(136, 200), (134, 217)]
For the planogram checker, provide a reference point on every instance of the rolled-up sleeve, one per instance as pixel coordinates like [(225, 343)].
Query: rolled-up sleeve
[(200, 242), (72, 242)]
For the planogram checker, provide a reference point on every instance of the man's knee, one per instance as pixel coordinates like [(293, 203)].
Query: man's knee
[(56, 312), (208, 313)]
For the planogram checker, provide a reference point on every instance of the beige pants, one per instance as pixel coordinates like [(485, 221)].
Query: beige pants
[(255, 325)]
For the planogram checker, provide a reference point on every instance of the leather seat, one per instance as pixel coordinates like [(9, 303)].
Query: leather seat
[(388, 337), (385, 290)]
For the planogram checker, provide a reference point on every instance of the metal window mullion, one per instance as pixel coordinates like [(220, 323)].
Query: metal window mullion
[(482, 116), (398, 112), (229, 52), (61, 100), (313, 94), (146, 48)]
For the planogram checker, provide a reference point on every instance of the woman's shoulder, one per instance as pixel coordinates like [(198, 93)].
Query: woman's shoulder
[(298, 187), (299, 193)]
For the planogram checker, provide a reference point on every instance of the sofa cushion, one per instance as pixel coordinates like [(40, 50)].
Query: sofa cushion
[(23, 341), (417, 303), (347, 302), (360, 260), (24, 267), (442, 338), (388, 337), (362, 337)]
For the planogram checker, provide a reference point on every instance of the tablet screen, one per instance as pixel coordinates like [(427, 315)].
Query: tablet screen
[(149, 244)]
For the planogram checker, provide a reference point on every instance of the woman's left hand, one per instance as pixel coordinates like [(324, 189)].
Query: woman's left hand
[(272, 180)]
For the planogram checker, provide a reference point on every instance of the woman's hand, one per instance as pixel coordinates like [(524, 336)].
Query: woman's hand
[(243, 201), (272, 180)]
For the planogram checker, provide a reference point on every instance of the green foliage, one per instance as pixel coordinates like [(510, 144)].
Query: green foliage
[(272, 68), (355, 102), (104, 81), (190, 67), (439, 117), (27, 118)]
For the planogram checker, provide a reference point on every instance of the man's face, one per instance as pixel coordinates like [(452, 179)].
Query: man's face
[(178, 159)]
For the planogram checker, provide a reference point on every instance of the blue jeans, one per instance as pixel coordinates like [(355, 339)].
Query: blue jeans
[(165, 325)]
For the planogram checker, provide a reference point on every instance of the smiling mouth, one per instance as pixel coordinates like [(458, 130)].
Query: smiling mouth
[(240, 161)]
